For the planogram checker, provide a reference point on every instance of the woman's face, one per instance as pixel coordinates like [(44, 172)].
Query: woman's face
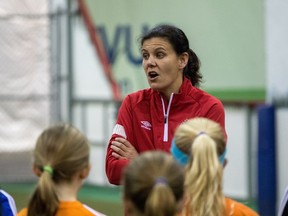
[(163, 67)]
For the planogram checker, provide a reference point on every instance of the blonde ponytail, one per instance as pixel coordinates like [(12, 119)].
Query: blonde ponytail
[(203, 142)]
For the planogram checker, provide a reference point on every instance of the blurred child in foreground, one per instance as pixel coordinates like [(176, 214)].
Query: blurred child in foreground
[(153, 185), (61, 161)]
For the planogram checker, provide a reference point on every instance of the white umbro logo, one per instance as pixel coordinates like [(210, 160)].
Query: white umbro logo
[(146, 125)]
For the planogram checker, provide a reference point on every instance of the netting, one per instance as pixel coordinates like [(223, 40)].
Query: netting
[(25, 80)]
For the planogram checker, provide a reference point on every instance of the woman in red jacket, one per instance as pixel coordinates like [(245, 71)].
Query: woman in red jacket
[(147, 118)]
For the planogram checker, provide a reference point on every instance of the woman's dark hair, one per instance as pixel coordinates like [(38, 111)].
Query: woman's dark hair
[(180, 44)]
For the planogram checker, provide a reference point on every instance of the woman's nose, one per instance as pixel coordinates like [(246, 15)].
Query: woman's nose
[(150, 61)]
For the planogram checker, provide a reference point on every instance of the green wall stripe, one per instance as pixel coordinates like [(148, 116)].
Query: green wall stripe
[(248, 95)]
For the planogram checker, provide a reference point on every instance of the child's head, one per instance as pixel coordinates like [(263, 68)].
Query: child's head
[(199, 130), (64, 149), (60, 154), (200, 145), (153, 185)]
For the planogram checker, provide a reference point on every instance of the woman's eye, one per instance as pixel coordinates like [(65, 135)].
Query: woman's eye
[(144, 55), (160, 55)]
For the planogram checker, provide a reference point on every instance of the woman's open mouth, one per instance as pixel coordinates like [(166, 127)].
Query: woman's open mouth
[(152, 75)]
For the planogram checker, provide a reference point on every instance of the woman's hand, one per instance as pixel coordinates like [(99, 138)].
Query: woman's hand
[(122, 148)]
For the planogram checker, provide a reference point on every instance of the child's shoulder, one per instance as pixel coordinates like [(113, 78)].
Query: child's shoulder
[(7, 203), (93, 211), (238, 209), (23, 212)]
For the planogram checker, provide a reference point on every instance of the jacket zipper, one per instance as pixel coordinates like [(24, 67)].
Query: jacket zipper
[(166, 115)]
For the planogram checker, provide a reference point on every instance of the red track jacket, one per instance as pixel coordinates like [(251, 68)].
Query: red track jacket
[(148, 122)]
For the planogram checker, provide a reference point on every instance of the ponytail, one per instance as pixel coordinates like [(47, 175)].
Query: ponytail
[(191, 71), (154, 183), (44, 201), (161, 201), (203, 182)]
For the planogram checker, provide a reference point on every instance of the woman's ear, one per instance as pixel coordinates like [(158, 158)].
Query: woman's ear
[(36, 170), (183, 60)]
